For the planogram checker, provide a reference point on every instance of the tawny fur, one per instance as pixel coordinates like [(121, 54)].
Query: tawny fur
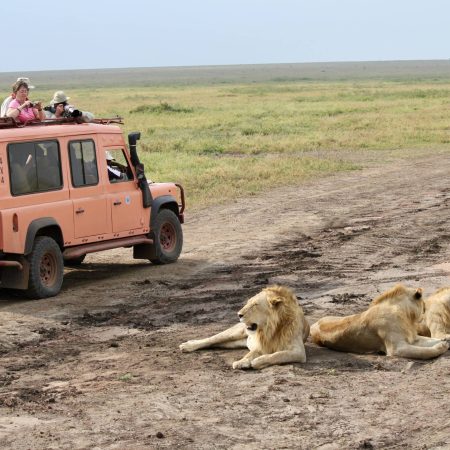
[(389, 325), (435, 322), (281, 330), (283, 321)]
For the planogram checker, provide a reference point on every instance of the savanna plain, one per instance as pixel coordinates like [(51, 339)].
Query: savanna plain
[(329, 179)]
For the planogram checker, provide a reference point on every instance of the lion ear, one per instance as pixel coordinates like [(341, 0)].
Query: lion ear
[(418, 294), (275, 301)]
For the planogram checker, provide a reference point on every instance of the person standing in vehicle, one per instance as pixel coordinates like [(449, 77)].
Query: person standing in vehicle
[(59, 108), (21, 108), (8, 100)]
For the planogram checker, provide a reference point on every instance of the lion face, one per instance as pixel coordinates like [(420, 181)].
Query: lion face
[(254, 314)]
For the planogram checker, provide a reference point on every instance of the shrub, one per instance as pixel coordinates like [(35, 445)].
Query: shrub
[(163, 107)]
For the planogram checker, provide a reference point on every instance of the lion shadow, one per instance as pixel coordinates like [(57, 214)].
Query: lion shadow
[(332, 362)]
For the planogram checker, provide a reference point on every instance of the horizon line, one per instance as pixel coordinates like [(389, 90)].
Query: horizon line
[(231, 65)]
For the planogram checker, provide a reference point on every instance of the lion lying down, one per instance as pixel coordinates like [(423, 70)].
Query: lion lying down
[(388, 325), (272, 326), (436, 319)]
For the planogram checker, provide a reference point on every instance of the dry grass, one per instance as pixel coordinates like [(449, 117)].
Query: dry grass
[(227, 140)]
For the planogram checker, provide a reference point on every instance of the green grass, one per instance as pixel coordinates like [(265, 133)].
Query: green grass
[(222, 141)]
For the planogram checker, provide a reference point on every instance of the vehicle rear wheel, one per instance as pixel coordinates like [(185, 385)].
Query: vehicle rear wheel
[(46, 268), (168, 237)]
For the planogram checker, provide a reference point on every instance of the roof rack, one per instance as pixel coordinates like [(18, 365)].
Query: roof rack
[(9, 122)]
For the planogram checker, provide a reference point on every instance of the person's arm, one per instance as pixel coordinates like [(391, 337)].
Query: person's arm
[(87, 116), (15, 111), (39, 112)]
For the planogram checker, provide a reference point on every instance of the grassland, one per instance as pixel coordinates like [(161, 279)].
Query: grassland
[(227, 139)]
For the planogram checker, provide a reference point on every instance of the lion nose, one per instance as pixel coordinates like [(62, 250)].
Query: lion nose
[(240, 315)]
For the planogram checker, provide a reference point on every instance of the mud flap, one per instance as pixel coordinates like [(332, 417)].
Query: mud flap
[(14, 278), (144, 251)]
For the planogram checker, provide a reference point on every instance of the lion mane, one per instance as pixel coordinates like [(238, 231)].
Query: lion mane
[(283, 321), (389, 325), (435, 321)]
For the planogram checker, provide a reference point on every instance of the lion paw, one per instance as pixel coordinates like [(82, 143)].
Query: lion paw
[(189, 346), (242, 364), (444, 345)]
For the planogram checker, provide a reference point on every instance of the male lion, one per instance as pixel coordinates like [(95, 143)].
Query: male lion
[(272, 326), (436, 319), (388, 325)]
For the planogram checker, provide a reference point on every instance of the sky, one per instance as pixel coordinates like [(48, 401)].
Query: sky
[(91, 34)]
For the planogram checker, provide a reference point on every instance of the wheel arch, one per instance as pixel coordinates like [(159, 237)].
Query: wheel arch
[(163, 202), (45, 226), (152, 251)]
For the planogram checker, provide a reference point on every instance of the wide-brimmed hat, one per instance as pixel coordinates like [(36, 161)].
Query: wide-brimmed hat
[(59, 97), (25, 80)]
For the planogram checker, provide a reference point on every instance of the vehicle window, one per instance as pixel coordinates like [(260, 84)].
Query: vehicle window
[(118, 167), (34, 167), (83, 163)]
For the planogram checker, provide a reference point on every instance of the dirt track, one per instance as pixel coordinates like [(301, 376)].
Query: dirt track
[(98, 367)]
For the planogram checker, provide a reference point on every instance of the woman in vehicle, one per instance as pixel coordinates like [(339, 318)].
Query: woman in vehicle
[(21, 108)]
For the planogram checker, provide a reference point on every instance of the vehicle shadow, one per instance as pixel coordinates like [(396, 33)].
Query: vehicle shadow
[(102, 273), (81, 276)]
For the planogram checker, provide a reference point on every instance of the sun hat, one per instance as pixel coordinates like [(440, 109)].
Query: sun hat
[(59, 97), (25, 80), (109, 157)]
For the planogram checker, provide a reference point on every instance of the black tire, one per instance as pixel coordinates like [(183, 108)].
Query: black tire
[(46, 268), (168, 237), (74, 262)]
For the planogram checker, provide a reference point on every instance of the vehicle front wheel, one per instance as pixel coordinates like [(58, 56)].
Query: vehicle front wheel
[(46, 268), (168, 237)]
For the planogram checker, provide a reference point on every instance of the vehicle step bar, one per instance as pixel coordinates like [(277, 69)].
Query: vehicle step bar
[(15, 264), (80, 250)]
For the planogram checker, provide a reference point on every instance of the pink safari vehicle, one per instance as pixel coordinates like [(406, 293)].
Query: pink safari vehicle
[(68, 189)]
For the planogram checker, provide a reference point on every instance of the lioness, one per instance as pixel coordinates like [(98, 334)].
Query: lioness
[(436, 319), (272, 326), (388, 325)]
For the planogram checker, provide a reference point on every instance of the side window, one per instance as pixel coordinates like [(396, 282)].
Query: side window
[(34, 167), (83, 163), (118, 167)]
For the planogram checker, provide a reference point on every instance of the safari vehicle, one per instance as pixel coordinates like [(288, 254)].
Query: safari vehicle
[(59, 202)]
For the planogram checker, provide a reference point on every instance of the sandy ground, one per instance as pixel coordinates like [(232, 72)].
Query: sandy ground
[(98, 367)]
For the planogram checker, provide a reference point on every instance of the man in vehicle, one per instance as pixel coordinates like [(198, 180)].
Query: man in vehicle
[(60, 108)]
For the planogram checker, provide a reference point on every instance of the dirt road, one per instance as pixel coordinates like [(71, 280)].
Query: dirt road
[(98, 367)]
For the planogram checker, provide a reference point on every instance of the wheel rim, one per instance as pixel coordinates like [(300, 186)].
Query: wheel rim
[(48, 269), (168, 237)]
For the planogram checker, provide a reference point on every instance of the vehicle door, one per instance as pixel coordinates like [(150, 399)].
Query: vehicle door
[(90, 209), (124, 197)]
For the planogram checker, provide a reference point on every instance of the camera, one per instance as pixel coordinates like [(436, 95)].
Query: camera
[(71, 111), (50, 108)]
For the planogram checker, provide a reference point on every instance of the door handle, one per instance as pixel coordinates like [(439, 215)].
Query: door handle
[(79, 210), (117, 202)]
